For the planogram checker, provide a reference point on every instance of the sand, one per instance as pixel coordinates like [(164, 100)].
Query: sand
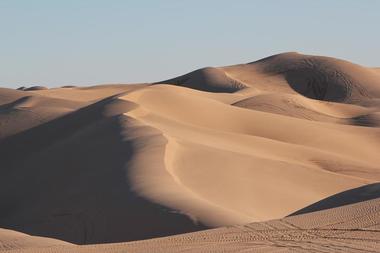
[(349, 228), (290, 134)]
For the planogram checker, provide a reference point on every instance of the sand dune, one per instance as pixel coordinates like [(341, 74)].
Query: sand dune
[(224, 146)]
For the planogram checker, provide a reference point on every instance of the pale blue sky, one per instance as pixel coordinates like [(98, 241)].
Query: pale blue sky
[(82, 42)]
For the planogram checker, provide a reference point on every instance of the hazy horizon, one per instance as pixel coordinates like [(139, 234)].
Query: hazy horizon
[(55, 43)]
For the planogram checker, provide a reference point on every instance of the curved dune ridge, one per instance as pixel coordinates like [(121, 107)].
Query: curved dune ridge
[(215, 147)]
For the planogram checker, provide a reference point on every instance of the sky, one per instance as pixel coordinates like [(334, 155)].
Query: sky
[(86, 42)]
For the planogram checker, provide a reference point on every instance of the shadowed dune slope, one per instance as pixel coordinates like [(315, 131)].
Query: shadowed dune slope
[(35, 88), (363, 193), (69, 179), (315, 77), (216, 147)]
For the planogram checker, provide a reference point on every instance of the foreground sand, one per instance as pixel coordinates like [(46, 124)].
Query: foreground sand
[(351, 228), (215, 147)]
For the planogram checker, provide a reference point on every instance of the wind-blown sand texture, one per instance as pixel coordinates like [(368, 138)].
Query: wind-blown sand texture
[(290, 134)]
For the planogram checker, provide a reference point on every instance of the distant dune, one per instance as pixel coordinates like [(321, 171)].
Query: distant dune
[(290, 134)]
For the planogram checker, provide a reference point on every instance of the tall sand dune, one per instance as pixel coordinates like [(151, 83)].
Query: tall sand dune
[(226, 146)]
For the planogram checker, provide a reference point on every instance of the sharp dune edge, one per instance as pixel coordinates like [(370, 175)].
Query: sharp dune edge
[(277, 155)]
